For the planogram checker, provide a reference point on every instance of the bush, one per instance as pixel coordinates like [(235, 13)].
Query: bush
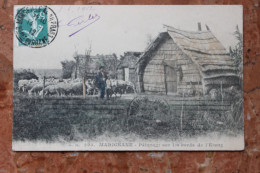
[(67, 68), (25, 74)]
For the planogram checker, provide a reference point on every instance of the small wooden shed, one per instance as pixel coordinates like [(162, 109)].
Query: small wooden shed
[(127, 66), (177, 61)]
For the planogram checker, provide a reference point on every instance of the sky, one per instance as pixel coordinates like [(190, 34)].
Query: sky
[(117, 29)]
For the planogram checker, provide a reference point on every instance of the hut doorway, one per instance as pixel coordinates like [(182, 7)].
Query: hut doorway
[(126, 74), (170, 75)]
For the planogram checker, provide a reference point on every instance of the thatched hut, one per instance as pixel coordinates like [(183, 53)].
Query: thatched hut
[(127, 66), (177, 61)]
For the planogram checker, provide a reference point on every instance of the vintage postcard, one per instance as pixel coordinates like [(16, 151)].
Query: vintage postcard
[(128, 78)]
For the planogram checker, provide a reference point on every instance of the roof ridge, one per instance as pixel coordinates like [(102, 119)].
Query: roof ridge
[(197, 32)]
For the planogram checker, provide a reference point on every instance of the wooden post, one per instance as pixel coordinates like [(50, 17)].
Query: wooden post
[(165, 81), (199, 26), (221, 89), (76, 70), (84, 87), (182, 108), (207, 27), (43, 86)]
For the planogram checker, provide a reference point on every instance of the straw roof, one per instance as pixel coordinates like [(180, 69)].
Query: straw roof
[(202, 47), (129, 60)]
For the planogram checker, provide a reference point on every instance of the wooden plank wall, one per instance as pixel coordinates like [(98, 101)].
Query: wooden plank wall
[(120, 74), (132, 76), (154, 71)]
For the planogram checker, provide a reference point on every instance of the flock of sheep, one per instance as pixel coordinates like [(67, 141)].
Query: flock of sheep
[(70, 87)]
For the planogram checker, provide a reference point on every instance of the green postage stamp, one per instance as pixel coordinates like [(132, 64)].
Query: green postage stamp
[(35, 26)]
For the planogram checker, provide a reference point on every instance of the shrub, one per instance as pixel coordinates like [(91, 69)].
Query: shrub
[(67, 68), (25, 74)]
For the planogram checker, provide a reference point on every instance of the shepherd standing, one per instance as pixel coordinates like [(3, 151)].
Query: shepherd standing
[(101, 81)]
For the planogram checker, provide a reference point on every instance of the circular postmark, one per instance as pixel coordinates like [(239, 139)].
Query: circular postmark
[(36, 26)]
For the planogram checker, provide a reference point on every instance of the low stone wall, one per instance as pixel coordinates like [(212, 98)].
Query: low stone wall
[(50, 118)]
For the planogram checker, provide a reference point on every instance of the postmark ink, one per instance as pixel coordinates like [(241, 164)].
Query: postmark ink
[(36, 27)]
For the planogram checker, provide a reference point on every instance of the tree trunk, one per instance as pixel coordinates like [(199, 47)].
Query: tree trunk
[(84, 87), (43, 86), (76, 71)]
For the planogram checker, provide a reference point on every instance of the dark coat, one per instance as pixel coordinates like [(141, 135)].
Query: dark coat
[(101, 79)]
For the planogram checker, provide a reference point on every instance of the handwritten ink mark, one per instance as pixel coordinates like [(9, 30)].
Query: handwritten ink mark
[(80, 20)]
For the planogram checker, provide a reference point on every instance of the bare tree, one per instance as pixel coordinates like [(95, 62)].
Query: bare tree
[(82, 62)]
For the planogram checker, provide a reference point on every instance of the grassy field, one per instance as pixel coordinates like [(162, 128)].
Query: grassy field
[(148, 118)]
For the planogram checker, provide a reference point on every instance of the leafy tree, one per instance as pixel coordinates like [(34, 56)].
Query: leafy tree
[(235, 119), (24, 74), (110, 64), (237, 52), (67, 68)]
